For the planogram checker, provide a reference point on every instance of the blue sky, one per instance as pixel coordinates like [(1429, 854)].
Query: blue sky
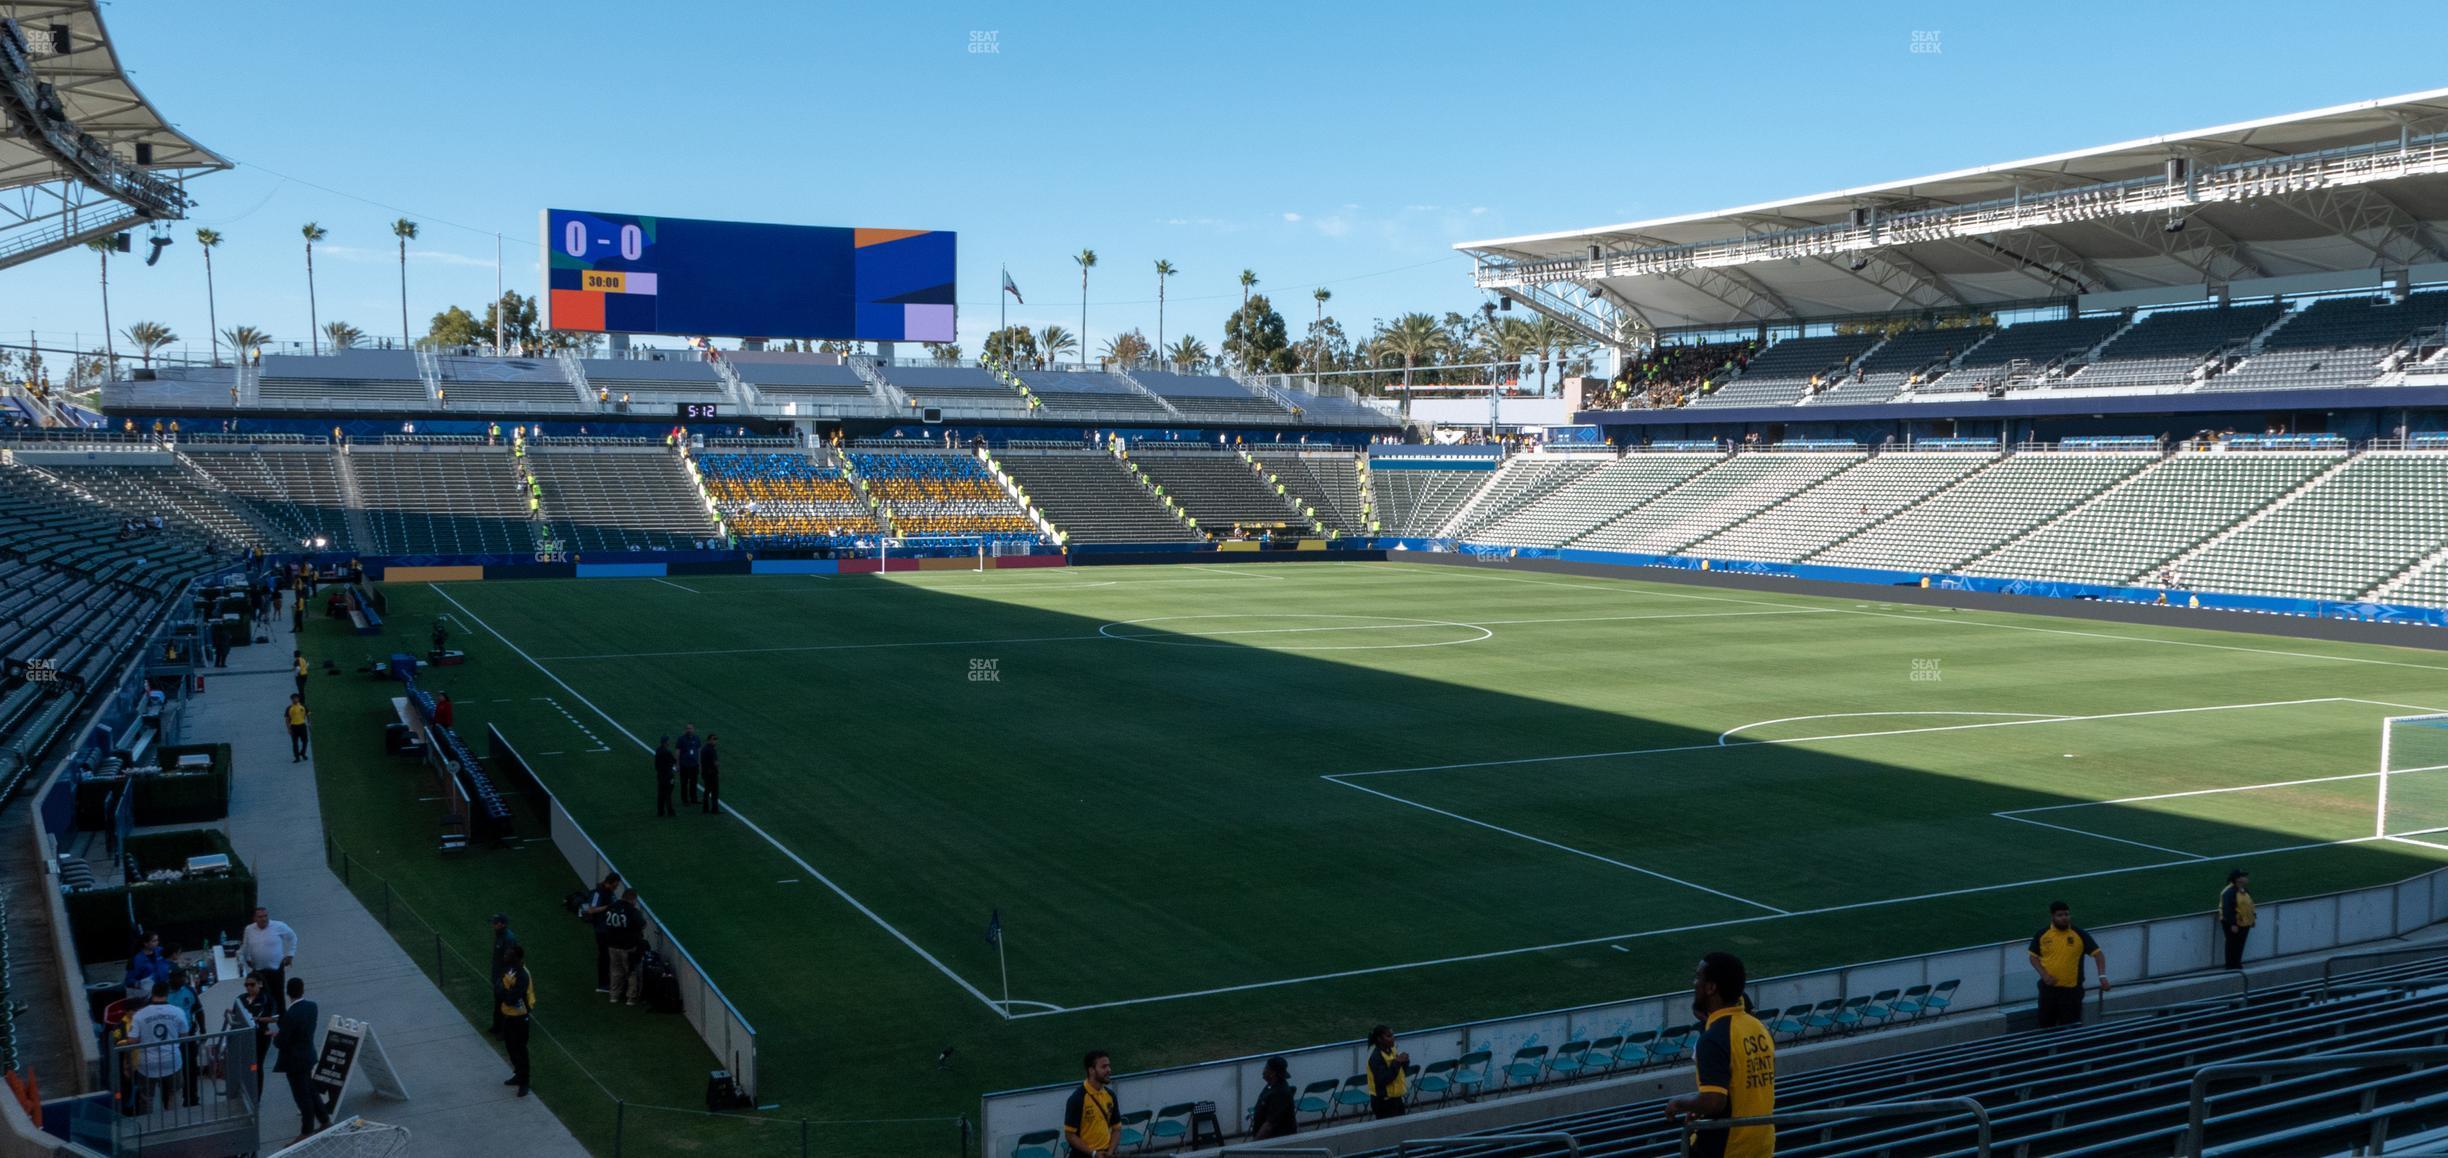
[(1321, 143)]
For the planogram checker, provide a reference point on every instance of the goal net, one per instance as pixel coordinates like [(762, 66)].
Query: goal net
[(2413, 798)]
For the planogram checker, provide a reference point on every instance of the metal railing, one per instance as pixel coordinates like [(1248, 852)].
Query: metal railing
[(2198, 1109), (1572, 1145), (1941, 1108), (2099, 1003), (2329, 968)]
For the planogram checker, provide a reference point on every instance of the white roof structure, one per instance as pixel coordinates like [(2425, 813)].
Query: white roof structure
[(2354, 192), (90, 153)]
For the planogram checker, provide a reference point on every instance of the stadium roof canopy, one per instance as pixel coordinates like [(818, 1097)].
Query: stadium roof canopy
[(2328, 198), (83, 152)]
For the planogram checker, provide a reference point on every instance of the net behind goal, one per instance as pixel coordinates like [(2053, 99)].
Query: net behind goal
[(2413, 798)]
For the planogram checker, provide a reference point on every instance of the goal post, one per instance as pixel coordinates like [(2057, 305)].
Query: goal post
[(2413, 797)]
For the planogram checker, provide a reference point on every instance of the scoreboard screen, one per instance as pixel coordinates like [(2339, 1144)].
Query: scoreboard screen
[(697, 411), (622, 273)]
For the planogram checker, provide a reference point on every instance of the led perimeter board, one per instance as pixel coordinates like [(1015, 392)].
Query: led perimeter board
[(622, 273)]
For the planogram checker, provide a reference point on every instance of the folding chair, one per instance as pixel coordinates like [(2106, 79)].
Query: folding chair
[(1471, 1076), (1354, 1095), (1881, 1009), (1634, 1051), (1848, 1016), (1909, 1005), (1134, 1131), (1822, 1016), (1569, 1060), (1171, 1122), (1437, 1080), (1037, 1144), (1601, 1056), (1789, 1022), (1316, 1098), (1528, 1063), (1941, 997)]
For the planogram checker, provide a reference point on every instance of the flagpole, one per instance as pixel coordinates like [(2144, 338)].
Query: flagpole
[(1003, 308)]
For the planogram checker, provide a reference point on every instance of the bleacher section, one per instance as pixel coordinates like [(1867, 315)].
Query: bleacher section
[(1417, 497), (1522, 480), (811, 383), (1325, 481), (1734, 489), (1211, 397), (957, 387), (505, 382), (943, 499), (1220, 490), (787, 500), (2124, 535), (1091, 498), (1782, 373), (1101, 397), (2337, 342), (1985, 510), (676, 380), (440, 499), (294, 489), (43, 522), (344, 377), (2164, 348), (2019, 351), (1595, 497), (1841, 506), (2376, 516), (1908, 359), (618, 498), (148, 485), (2118, 1087)]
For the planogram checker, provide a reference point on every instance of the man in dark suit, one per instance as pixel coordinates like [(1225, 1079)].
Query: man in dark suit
[(294, 1041)]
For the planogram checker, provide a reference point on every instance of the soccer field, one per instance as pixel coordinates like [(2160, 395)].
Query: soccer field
[(1234, 808)]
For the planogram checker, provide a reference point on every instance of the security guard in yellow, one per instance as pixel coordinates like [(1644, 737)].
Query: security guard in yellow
[(1092, 1117), (1734, 1062), (1388, 1076)]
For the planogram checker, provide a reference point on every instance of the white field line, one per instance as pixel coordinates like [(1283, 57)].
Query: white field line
[(1856, 906), (1610, 584), (1715, 747), (2099, 835), (737, 815), (1728, 733), (2202, 792), (1647, 872), (669, 583), (1101, 635)]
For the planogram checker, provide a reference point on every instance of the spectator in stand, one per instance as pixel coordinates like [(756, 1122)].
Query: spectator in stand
[(598, 902), (1730, 1039), (665, 766), (687, 750), (2057, 954), (156, 1030), (2236, 915), (709, 768), (146, 967), (1276, 1115), (1092, 1116), (624, 929), (514, 997), (293, 1036), (503, 941), (295, 714), (183, 997), (1387, 1081), (268, 946)]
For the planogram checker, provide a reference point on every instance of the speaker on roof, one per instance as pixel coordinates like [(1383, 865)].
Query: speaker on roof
[(1861, 217), (144, 152), (1595, 253), (2176, 170), (59, 39), (123, 242)]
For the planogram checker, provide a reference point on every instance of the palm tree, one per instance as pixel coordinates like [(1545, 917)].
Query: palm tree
[(1186, 352), (1087, 261), (245, 338), (944, 353), (1318, 328), (1249, 277), (1508, 339), (110, 357), (342, 335), (1414, 338), (148, 337), (1164, 269), (1126, 348), (206, 239), (1052, 343), (1547, 334), (313, 233), (406, 231)]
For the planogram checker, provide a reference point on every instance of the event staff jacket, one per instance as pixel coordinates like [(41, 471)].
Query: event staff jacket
[(2235, 908)]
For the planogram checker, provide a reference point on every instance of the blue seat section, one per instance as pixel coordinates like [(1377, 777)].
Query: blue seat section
[(787, 501), (944, 501)]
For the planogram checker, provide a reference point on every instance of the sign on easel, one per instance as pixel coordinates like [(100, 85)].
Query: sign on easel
[(350, 1048)]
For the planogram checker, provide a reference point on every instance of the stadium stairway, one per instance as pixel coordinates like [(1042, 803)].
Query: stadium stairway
[(1592, 499), (2118, 1085), (619, 498), (1522, 480), (1843, 506), (1985, 510), (1415, 501), (2124, 533), (1092, 498), (2341, 536), (1730, 491), (1220, 490), (1327, 482)]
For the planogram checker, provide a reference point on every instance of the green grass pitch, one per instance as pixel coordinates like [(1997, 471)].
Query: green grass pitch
[(1226, 809)]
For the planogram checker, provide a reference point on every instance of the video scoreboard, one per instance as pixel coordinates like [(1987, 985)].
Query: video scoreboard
[(625, 273)]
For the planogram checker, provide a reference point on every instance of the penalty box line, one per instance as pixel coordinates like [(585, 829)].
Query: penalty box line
[(828, 882)]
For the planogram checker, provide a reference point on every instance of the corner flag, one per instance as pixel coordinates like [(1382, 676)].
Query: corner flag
[(994, 927), (1012, 288)]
